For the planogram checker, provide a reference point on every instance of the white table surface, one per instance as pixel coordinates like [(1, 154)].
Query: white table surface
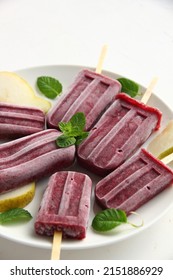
[(140, 39)]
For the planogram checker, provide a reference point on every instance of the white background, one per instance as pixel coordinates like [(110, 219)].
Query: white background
[(140, 39)]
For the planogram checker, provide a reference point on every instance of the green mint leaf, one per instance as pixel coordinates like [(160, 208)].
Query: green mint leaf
[(78, 121), (74, 126), (73, 131), (16, 214), (81, 137), (129, 86), (49, 86), (66, 128), (109, 219), (65, 141)]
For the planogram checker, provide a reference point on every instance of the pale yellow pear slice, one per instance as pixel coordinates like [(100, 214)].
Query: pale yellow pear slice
[(163, 141), (15, 90), (18, 198)]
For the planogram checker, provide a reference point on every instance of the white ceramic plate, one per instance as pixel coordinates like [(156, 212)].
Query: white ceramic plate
[(150, 212)]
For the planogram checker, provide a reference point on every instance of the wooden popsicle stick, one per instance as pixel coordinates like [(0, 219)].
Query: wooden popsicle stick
[(101, 59), (148, 91), (56, 247), (167, 159), (57, 238)]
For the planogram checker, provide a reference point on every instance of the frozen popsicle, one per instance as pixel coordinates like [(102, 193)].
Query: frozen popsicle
[(134, 183), (18, 121), (122, 129), (90, 93), (65, 205), (32, 157)]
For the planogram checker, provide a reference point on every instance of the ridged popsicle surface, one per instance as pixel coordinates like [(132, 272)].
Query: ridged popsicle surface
[(134, 183), (32, 157), (90, 93), (121, 130), (65, 205), (18, 121)]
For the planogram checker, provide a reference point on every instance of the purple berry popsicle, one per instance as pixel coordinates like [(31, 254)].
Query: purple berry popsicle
[(65, 205), (32, 157), (18, 121), (134, 183), (121, 130), (90, 93)]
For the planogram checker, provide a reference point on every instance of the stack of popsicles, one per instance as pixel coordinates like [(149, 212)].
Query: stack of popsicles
[(116, 133), (118, 126)]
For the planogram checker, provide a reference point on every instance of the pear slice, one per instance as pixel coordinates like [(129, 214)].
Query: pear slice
[(18, 198), (163, 141), (15, 90)]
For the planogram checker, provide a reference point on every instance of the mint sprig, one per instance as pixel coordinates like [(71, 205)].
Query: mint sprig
[(109, 219), (16, 214), (49, 86), (65, 141), (128, 86), (73, 131)]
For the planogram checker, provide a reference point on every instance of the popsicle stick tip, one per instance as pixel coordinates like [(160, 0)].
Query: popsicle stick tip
[(56, 246), (167, 159), (149, 90), (101, 59)]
